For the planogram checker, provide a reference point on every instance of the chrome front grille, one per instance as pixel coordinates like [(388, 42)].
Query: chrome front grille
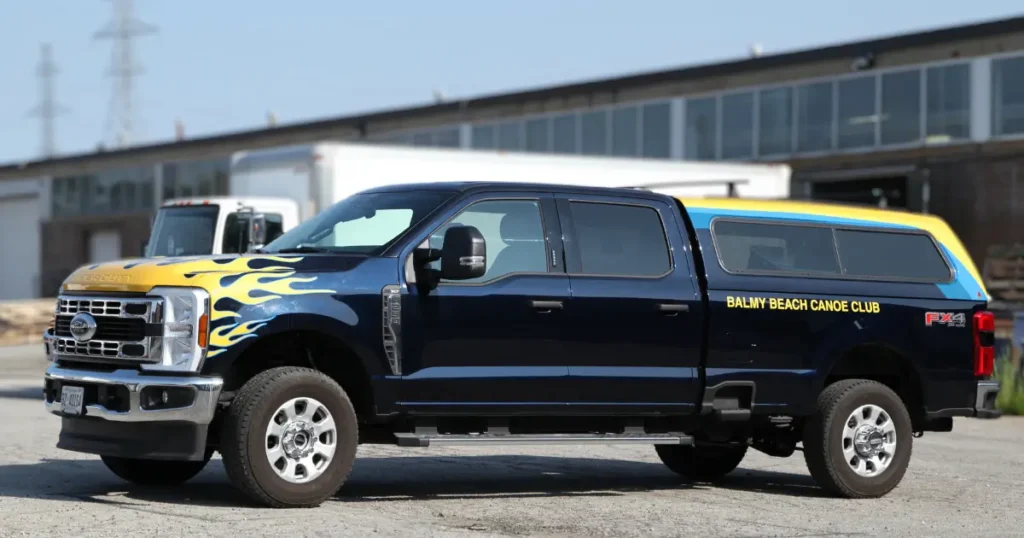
[(125, 329)]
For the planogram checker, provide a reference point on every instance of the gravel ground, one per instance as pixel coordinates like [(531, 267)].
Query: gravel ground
[(968, 482)]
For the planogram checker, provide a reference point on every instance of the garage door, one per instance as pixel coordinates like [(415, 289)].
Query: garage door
[(19, 248)]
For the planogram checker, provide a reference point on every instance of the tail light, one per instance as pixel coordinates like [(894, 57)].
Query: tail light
[(984, 343)]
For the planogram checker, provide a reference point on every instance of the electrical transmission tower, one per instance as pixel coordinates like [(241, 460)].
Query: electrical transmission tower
[(122, 122), (48, 109)]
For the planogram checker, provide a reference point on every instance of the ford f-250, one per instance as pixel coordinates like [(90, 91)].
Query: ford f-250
[(454, 313)]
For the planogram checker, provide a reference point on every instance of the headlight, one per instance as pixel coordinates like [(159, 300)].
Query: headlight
[(186, 329)]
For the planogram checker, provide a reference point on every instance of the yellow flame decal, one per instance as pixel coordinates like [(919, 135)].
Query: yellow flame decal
[(235, 279)]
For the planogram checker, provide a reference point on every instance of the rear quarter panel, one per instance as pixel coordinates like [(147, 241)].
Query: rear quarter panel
[(786, 333)]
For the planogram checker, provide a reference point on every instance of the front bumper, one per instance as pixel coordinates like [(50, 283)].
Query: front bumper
[(195, 397), (124, 414)]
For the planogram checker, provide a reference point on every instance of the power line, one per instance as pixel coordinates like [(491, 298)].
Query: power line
[(48, 109), (122, 122)]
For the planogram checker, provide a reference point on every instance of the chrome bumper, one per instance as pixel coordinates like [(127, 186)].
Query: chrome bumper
[(206, 391)]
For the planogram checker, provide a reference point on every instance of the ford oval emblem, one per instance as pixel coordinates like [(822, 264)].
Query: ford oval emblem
[(83, 327)]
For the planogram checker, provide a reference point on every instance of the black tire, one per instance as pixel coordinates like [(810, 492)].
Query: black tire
[(154, 472), (823, 439), (243, 437), (702, 464)]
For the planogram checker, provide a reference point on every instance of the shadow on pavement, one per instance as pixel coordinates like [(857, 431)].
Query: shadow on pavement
[(23, 393), (401, 479)]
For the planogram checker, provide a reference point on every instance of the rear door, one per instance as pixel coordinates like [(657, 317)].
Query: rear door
[(634, 322)]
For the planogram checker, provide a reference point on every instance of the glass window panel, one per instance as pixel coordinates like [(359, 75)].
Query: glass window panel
[(625, 130), (814, 120), (563, 130), (447, 138), (423, 139), (537, 135), (657, 131), (857, 114), (892, 255), (901, 107), (775, 129), (510, 136), (620, 240), (775, 248), (738, 126), (595, 132), (701, 129), (1008, 96), (949, 101), (513, 231), (483, 137)]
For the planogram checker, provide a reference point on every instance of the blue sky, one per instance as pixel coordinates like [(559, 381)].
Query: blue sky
[(221, 65)]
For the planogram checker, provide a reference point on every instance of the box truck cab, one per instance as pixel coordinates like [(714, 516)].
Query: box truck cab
[(219, 225), (300, 181)]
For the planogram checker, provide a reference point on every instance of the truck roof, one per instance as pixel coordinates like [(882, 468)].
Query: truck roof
[(462, 187)]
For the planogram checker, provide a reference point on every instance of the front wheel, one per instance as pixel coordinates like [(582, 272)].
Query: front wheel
[(857, 443), (154, 472), (289, 438), (702, 463)]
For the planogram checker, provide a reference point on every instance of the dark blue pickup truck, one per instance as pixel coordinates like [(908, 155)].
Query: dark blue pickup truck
[(484, 313)]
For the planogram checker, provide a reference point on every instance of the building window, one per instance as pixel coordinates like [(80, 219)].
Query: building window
[(198, 178), (110, 192), (620, 240), (537, 135), (594, 126), (656, 132), (775, 130), (701, 129), (510, 136), (563, 134), (738, 126), (814, 119), (901, 107), (857, 114), (625, 130), (423, 139), (948, 102), (483, 137), (1008, 96), (448, 138)]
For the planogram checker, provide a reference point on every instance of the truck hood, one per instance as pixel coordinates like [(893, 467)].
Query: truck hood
[(215, 274)]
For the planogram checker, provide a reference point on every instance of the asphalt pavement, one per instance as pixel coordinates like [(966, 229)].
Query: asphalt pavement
[(966, 483)]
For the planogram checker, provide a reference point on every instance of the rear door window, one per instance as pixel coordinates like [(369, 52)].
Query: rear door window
[(891, 255), (620, 240)]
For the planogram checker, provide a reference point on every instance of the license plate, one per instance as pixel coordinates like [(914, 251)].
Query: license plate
[(71, 400)]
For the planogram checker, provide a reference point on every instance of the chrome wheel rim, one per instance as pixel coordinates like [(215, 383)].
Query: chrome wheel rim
[(869, 440), (301, 440)]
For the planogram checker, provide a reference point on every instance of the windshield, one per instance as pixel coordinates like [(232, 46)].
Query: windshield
[(183, 231), (361, 223)]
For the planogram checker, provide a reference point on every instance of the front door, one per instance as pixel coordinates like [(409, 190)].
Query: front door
[(478, 346), (635, 318)]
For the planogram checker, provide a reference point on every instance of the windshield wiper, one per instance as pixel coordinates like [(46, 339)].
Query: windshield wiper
[(300, 249)]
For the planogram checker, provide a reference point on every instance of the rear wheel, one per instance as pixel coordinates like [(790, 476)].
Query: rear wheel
[(701, 463), (154, 472), (858, 442), (289, 438)]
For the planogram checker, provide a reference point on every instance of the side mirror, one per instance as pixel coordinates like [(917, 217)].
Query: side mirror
[(257, 231), (464, 254)]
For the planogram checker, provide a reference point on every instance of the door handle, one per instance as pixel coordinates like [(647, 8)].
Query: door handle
[(546, 306), (673, 309)]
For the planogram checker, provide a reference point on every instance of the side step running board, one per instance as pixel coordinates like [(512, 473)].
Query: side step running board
[(421, 440)]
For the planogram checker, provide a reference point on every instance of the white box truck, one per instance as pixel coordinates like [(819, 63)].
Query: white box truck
[(272, 190)]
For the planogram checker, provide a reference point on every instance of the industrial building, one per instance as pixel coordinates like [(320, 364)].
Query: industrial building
[(930, 121)]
